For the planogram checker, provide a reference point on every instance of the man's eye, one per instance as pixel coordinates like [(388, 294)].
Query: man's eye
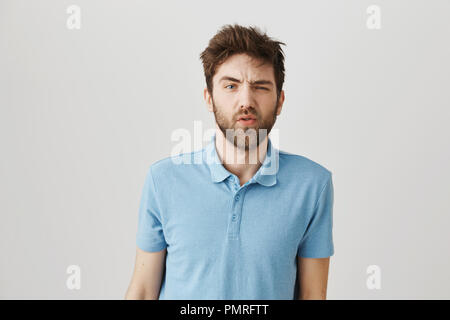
[(229, 85)]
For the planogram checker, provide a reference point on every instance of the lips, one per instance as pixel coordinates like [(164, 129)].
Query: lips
[(249, 117)]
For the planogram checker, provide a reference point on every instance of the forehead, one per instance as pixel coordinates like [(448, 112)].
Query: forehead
[(244, 66)]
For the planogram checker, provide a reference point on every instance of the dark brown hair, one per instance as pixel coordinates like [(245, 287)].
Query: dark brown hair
[(233, 39)]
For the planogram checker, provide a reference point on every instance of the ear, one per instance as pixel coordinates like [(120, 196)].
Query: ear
[(280, 102), (208, 100)]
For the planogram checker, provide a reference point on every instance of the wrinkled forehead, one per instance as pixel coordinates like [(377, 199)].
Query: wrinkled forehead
[(244, 66)]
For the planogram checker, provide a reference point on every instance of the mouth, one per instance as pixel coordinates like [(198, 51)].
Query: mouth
[(247, 120), (247, 117)]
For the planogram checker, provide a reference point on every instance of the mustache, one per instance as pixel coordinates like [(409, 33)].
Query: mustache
[(247, 114)]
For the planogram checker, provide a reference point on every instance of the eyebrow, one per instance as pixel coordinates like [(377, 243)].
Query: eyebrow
[(252, 82)]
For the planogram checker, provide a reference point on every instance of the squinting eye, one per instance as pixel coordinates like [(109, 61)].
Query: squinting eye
[(262, 88), (229, 85)]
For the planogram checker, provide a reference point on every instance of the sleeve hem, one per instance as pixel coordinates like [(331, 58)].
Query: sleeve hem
[(148, 246), (324, 254)]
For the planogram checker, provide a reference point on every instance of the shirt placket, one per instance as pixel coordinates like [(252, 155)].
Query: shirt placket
[(234, 220)]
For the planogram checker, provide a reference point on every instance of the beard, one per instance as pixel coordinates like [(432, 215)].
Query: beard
[(240, 136)]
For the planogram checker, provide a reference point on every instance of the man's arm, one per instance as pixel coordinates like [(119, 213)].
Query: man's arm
[(313, 278), (147, 277)]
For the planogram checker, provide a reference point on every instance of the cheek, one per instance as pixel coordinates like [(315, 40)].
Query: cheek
[(268, 113), (223, 106), (223, 99)]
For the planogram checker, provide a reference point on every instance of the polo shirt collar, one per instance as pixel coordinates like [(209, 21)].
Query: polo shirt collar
[(266, 174)]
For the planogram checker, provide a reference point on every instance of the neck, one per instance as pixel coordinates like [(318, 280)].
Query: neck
[(243, 163)]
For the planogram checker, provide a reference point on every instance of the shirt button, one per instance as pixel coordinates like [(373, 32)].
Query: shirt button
[(237, 198), (234, 217)]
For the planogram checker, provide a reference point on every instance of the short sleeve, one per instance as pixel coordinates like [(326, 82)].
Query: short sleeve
[(150, 235), (317, 242)]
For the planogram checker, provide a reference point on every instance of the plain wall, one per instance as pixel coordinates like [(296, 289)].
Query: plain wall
[(85, 112)]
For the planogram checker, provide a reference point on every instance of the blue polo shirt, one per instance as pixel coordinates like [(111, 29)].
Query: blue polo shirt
[(227, 241)]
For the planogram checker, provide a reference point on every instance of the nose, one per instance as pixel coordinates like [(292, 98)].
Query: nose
[(246, 97)]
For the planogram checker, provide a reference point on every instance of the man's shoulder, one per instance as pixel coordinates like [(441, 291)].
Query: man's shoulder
[(296, 164), (176, 162)]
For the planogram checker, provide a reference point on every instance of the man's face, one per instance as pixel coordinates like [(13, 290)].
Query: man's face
[(243, 86)]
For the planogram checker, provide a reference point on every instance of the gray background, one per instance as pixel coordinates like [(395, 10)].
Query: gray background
[(85, 112)]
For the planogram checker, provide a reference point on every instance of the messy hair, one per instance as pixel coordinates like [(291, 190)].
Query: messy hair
[(234, 39)]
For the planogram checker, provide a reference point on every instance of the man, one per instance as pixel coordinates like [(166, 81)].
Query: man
[(228, 227)]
